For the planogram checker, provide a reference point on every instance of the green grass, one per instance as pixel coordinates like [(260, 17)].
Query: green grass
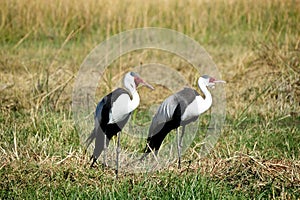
[(71, 183), (255, 45)]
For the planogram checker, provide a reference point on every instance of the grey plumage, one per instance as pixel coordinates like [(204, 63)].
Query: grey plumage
[(168, 117), (177, 110)]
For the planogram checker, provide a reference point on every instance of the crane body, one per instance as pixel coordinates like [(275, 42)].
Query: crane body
[(178, 110), (112, 113)]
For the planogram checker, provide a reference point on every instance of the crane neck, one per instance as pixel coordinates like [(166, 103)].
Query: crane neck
[(204, 103), (135, 99)]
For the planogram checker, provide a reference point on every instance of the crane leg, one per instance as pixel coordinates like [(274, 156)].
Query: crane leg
[(178, 148), (104, 151), (179, 145), (181, 137), (118, 152)]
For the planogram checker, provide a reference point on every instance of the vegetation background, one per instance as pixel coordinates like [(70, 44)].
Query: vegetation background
[(255, 44)]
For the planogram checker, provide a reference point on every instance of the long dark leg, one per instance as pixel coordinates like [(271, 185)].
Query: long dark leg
[(178, 148), (181, 137), (104, 150), (118, 152), (179, 145)]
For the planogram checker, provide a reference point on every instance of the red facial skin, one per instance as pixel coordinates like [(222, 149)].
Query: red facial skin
[(211, 80), (138, 80)]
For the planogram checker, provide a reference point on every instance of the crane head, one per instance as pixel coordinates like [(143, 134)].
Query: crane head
[(209, 81), (133, 80)]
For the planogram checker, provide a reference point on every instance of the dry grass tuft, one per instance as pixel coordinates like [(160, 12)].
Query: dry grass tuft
[(251, 173)]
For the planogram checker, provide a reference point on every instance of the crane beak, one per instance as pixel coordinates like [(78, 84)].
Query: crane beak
[(219, 81), (147, 85), (213, 81), (138, 80)]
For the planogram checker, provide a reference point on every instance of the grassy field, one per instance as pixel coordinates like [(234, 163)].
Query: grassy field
[(256, 46)]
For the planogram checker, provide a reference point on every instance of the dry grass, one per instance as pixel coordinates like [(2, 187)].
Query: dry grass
[(246, 173), (252, 174)]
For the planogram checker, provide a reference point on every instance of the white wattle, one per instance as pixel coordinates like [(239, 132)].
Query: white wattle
[(134, 103), (124, 105), (199, 105), (203, 104)]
